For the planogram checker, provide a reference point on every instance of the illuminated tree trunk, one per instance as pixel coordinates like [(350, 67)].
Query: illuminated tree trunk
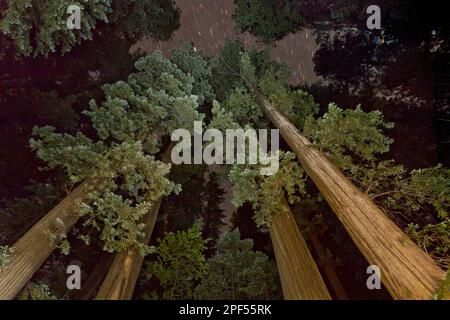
[(406, 270), (34, 247), (300, 277)]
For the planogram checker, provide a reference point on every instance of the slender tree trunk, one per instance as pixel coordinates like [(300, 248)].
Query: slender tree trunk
[(406, 270), (300, 277), (34, 247), (331, 275)]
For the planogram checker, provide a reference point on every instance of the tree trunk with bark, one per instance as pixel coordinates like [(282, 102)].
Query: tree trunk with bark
[(34, 247), (300, 277), (406, 270)]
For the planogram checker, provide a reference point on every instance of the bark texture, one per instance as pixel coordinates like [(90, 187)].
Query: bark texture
[(406, 270), (300, 277), (34, 247)]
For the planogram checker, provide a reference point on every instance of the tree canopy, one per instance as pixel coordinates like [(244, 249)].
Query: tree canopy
[(129, 123), (39, 27)]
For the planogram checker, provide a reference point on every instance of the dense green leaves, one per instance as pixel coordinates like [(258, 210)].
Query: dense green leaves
[(268, 20), (244, 107), (352, 138), (39, 27), (125, 183), (237, 272), (259, 72), (130, 124), (156, 18), (294, 104), (235, 66), (179, 263), (76, 154), (267, 193), (193, 63), (222, 119), (430, 185), (154, 101)]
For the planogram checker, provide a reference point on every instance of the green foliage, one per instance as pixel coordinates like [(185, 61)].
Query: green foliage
[(212, 215), (222, 119), (39, 27), (248, 71), (268, 20), (128, 184), (240, 109), (63, 245), (353, 139), (237, 272), (125, 183), (244, 108), (179, 263), (154, 101), (156, 18), (429, 186), (226, 67), (194, 64), (76, 154), (267, 193), (433, 238), (444, 287), (5, 254), (258, 71), (36, 291), (425, 193), (235, 66), (296, 105)]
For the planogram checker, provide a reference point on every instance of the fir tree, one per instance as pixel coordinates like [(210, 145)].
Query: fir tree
[(237, 272), (213, 215)]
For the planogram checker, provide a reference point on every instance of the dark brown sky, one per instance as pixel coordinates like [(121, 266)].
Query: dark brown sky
[(208, 23)]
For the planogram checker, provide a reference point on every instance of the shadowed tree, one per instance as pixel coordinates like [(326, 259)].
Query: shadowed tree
[(212, 197), (237, 272)]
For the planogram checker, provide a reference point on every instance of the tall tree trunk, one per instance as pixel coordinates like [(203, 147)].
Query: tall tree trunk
[(406, 270), (300, 277), (34, 247)]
